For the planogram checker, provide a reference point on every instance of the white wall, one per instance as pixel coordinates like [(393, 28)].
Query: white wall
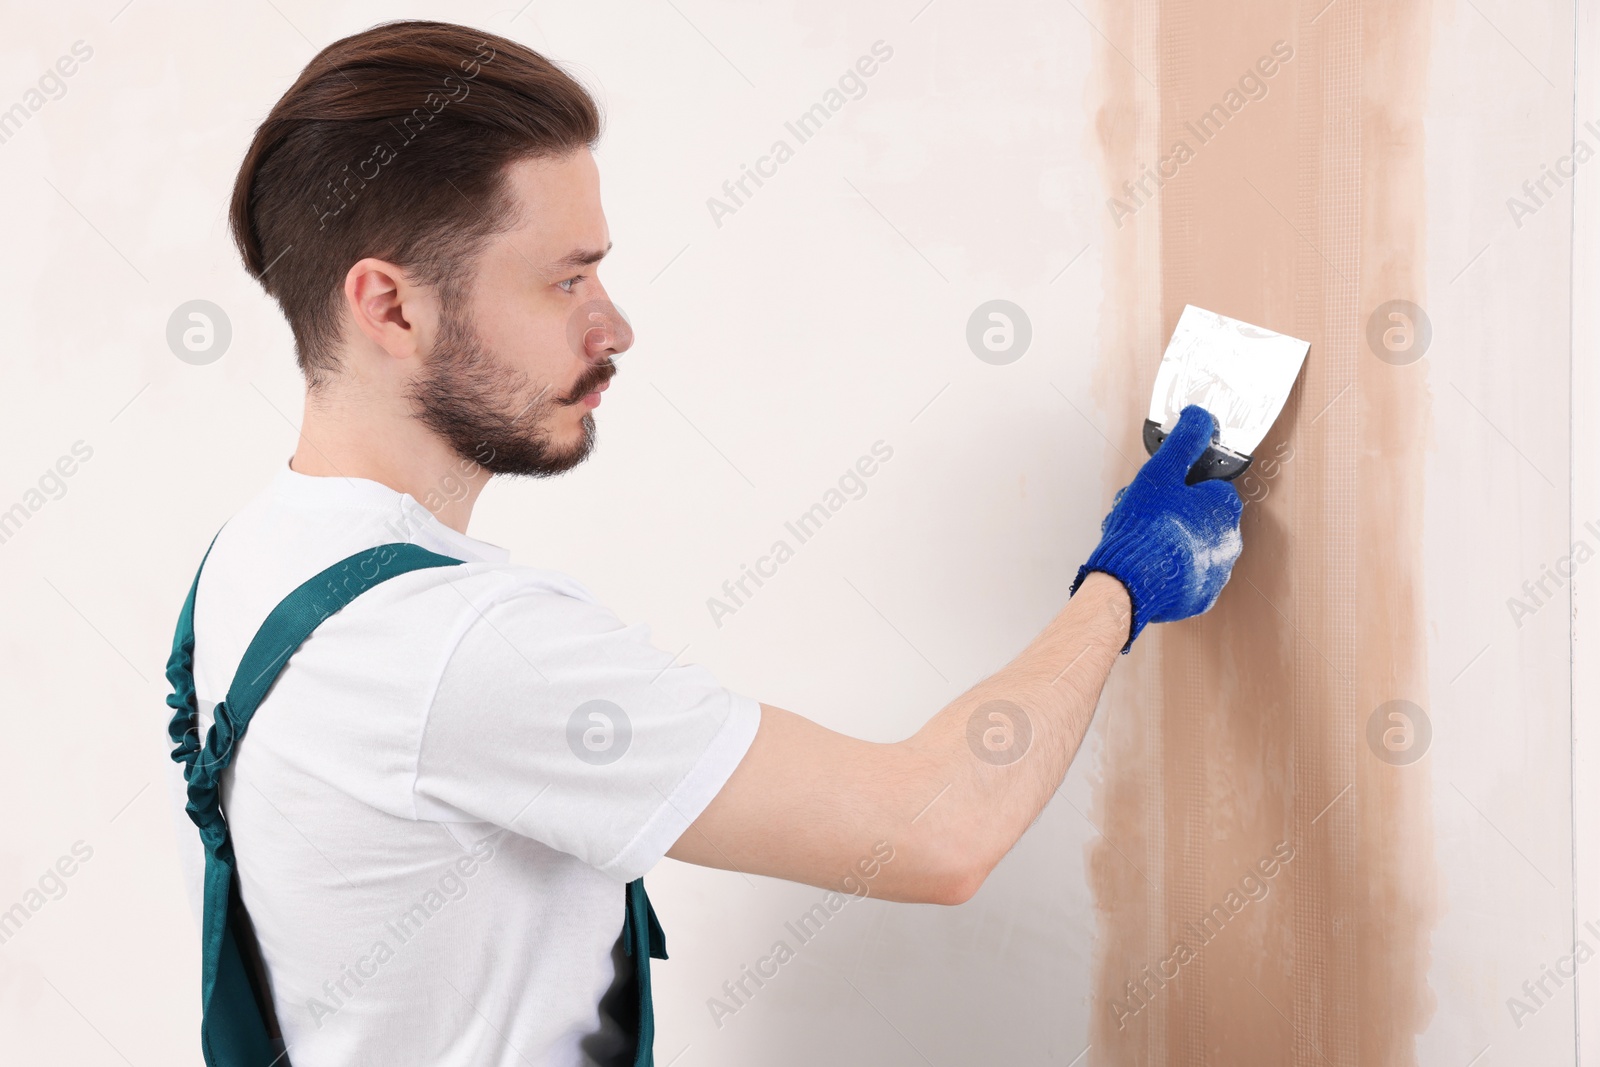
[(1500, 498), (1586, 506), (772, 352)]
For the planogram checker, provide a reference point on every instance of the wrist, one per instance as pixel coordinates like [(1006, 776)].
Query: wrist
[(1106, 601)]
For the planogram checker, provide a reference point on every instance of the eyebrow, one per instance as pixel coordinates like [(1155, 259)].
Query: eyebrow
[(580, 257)]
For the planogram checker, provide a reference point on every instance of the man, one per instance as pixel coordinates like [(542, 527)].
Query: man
[(436, 808)]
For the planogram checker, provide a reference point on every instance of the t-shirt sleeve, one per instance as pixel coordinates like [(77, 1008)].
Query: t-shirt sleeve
[(556, 720)]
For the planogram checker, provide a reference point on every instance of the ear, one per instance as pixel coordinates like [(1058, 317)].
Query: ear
[(391, 310)]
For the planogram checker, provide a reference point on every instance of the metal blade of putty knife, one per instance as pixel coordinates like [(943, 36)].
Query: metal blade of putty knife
[(1240, 373)]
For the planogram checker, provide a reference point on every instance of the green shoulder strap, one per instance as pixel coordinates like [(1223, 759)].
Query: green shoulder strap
[(238, 1027)]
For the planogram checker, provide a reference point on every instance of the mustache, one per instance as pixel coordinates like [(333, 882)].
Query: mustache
[(594, 379)]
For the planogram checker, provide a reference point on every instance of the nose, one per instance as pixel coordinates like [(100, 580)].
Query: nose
[(599, 332)]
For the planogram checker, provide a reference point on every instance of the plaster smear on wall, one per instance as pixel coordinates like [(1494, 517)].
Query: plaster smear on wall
[(1266, 882)]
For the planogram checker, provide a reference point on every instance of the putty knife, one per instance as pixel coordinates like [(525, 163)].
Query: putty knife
[(1240, 373)]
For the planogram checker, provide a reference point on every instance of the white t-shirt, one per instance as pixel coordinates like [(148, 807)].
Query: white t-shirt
[(433, 823)]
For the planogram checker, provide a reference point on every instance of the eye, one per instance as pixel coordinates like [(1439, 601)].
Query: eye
[(566, 286)]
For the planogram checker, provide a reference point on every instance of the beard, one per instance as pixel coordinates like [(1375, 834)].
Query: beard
[(491, 414)]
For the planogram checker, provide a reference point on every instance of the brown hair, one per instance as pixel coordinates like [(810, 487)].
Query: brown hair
[(393, 143)]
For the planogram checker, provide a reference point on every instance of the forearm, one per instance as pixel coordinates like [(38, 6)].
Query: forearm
[(987, 764)]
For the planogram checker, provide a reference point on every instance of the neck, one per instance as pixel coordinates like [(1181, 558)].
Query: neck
[(347, 437)]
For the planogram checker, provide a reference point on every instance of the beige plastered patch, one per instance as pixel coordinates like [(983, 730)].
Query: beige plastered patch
[(1240, 737)]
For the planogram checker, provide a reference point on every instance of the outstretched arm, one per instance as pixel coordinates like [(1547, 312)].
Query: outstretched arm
[(812, 805), (807, 803)]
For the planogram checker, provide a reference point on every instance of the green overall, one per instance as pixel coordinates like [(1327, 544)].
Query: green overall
[(238, 1027)]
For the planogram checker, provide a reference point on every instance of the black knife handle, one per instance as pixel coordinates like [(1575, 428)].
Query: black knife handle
[(1216, 463)]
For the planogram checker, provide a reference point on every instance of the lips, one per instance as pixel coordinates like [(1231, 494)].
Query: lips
[(582, 397)]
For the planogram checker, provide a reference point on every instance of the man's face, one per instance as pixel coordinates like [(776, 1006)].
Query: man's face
[(515, 371)]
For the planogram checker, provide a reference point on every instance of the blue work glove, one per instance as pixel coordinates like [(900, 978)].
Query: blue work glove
[(1171, 545)]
